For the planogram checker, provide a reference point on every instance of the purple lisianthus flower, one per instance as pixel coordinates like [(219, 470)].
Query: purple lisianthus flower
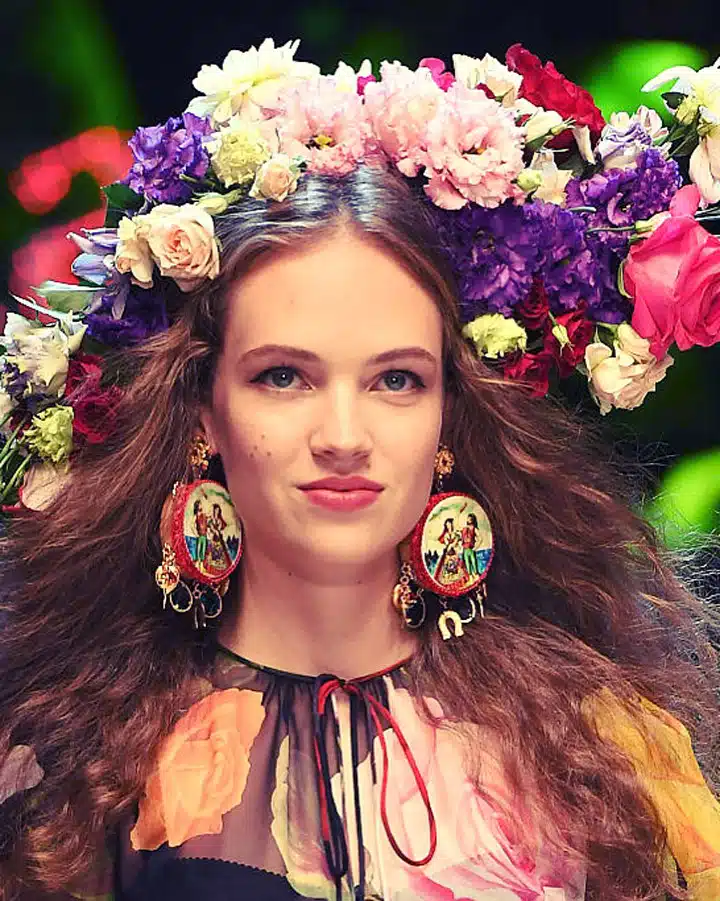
[(621, 144), (494, 253), (621, 197), (568, 269), (13, 381), (95, 263), (165, 152), (144, 313), (611, 306)]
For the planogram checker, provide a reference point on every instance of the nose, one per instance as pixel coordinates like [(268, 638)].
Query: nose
[(341, 430)]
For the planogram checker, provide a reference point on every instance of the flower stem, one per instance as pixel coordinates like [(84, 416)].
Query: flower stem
[(11, 443), (612, 228), (15, 480)]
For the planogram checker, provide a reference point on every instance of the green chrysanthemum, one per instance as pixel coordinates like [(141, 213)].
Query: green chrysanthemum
[(50, 434)]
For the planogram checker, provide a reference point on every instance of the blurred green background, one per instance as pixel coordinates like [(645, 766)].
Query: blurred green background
[(80, 75)]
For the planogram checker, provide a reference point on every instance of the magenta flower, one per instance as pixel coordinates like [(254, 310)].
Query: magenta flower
[(474, 151), (442, 78), (323, 122)]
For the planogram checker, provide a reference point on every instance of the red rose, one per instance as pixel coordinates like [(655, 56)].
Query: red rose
[(580, 331), (674, 278), (545, 86), (441, 77), (533, 370), (94, 407), (533, 311)]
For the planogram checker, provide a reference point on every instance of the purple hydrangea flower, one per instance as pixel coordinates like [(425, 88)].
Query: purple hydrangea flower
[(165, 152)]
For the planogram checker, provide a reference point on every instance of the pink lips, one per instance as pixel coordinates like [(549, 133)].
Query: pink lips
[(342, 493)]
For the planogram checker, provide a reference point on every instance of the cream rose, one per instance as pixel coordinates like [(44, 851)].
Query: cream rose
[(132, 253), (276, 178), (624, 378), (182, 242)]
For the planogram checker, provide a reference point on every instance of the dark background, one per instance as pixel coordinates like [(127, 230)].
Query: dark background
[(70, 66)]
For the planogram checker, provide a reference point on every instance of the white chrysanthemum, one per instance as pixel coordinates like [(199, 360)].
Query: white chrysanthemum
[(248, 82), (238, 151)]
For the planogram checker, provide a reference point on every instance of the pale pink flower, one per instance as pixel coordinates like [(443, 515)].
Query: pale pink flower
[(181, 240), (323, 120), (474, 151), (624, 378), (399, 108)]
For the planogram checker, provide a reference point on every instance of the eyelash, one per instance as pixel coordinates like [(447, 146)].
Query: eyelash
[(419, 384)]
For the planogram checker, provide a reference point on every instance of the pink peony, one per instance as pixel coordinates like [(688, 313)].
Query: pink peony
[(399, 107), (324, 123), (474, 151), (674, 278)]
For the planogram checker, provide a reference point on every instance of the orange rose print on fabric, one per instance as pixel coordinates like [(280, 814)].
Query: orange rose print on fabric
[(666, 766), (201, 770)]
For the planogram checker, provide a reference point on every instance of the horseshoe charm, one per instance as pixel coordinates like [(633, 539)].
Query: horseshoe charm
[(450, 616)]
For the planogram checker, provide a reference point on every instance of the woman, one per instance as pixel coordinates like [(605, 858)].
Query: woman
[(307, 744)]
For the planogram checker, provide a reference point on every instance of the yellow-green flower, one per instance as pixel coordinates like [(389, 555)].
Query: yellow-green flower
[(50, 434), (238, 152), (494, 335)]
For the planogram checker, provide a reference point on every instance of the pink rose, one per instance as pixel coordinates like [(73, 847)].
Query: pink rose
[(674, 278), (182, 242)]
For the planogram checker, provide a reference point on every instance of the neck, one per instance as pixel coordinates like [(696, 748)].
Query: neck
[(322, 622)]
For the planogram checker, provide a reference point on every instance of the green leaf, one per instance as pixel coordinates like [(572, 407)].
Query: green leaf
[(673, 99), (66, 298), (22, 304), (120, 197)]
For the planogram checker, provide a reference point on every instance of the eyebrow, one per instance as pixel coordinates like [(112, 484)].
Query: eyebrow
[(307, 356)]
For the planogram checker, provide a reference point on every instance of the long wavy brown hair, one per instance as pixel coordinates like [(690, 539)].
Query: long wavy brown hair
[(93, 673)]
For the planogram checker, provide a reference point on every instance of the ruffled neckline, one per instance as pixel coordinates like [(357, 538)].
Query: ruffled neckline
[(303, 677)]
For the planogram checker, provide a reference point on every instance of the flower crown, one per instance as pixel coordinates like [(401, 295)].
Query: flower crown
[(576, 243)]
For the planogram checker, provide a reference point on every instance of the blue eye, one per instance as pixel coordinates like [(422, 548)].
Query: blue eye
[(395, 376), (396, 380), (279, 377)]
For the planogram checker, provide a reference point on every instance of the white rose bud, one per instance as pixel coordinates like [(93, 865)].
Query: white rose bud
[(276, 178)]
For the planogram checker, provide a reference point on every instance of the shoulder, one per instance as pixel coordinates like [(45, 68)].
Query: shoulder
[(201, 770)]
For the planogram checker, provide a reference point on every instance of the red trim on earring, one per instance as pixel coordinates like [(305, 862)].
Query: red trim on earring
[(423, 576), (174, 525)]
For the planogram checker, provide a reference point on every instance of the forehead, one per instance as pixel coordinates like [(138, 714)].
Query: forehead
[(343, 293)]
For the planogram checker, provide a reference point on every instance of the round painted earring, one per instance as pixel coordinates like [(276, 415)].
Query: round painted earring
[(201, 539), (451, 549)]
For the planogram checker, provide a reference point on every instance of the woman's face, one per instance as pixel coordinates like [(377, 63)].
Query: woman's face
[(300, 395)]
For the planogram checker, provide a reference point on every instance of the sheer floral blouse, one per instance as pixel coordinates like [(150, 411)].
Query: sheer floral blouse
[(278, 786)]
